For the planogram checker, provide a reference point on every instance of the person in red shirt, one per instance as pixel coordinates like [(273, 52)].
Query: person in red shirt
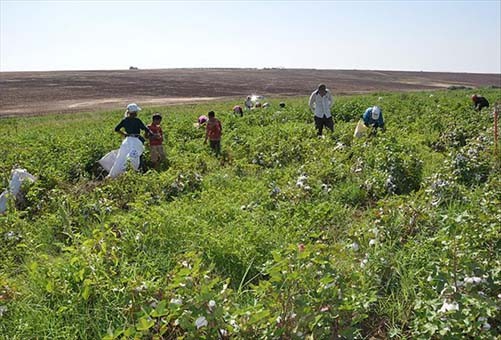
[(213, 131), (156, 139)]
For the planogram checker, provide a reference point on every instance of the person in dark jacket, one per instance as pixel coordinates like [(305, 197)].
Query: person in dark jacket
[(131, 124), (132, 146), (479, 102)]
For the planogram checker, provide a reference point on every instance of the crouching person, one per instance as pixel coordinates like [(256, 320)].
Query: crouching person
[(373, 117), (132, 146)]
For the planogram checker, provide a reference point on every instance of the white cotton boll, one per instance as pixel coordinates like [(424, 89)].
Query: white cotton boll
[(473, 280), (212, 304), (329, 285), (355, 246), (372, 242), (176, 301), (3, 310), (201, 321), (446, 307), (486, 326)]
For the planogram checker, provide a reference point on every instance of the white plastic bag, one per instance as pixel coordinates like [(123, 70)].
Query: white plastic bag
[(19, 176), (360, 130), (3, 201), (108, 160), (131, 149)]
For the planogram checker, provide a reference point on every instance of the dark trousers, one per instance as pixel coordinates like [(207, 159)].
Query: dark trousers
[(215, 145), (324, 121)]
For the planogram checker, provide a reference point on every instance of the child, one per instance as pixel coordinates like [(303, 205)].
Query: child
[(156, 139), (213, 132)]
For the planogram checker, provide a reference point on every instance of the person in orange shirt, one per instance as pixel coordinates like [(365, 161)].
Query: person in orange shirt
[(213, 131), (156, 139)]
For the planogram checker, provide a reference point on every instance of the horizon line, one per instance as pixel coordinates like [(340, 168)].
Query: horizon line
[(240, 68)]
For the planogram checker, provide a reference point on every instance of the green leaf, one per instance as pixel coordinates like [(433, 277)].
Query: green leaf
[(160, 310), (144, 323)]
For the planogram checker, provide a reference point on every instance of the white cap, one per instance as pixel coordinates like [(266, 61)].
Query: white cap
[(376, 111), (133, 107)]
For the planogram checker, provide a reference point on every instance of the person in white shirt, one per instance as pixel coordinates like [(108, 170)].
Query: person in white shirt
[(248, 103), (320, 104)]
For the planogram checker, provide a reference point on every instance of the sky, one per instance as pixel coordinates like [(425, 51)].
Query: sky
[(448, 36)]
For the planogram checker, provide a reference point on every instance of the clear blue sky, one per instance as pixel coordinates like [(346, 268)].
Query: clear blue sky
[(457, 36)]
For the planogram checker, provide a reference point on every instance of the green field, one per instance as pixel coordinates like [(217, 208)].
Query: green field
[(286, 236)]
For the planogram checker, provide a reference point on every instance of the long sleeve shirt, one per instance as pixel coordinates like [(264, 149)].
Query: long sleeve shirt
[(480, 103), (321, 105), (132, 126), (369, 121)]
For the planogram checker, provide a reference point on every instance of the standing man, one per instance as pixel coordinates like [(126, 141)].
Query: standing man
[(320, 104)]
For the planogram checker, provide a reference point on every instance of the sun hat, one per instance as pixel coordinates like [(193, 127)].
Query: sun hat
[(133, 107), (376, 111)]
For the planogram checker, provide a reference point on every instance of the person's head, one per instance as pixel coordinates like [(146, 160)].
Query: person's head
[(322, 89), (211, 114), (156, 118), (376, 112), (282, 104), (474, 97), (132, 110)]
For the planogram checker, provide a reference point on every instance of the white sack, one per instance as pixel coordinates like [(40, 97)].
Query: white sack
[(3, 201), (19, 176), (108, 160), (131, 149), (360, 130)]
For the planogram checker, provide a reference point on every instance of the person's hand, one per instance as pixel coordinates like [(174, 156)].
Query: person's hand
[(383, 128), (205, 141)]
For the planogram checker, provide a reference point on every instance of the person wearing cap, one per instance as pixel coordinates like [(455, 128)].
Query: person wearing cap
[(132, 145), (373, 117), (320, 104), (282, 105), (479, 102)]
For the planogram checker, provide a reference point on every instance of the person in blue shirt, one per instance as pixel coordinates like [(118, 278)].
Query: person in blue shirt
[(373, 117)]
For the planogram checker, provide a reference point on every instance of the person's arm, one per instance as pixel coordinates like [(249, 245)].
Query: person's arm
[(119, 127), (206, 133), (329, 98), (145, 128), (366, 117), (312, 102)]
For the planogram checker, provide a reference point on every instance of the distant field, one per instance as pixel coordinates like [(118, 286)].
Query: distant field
[(33, 93)]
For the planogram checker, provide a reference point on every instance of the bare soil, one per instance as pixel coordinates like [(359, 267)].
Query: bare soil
[(35, 93)]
